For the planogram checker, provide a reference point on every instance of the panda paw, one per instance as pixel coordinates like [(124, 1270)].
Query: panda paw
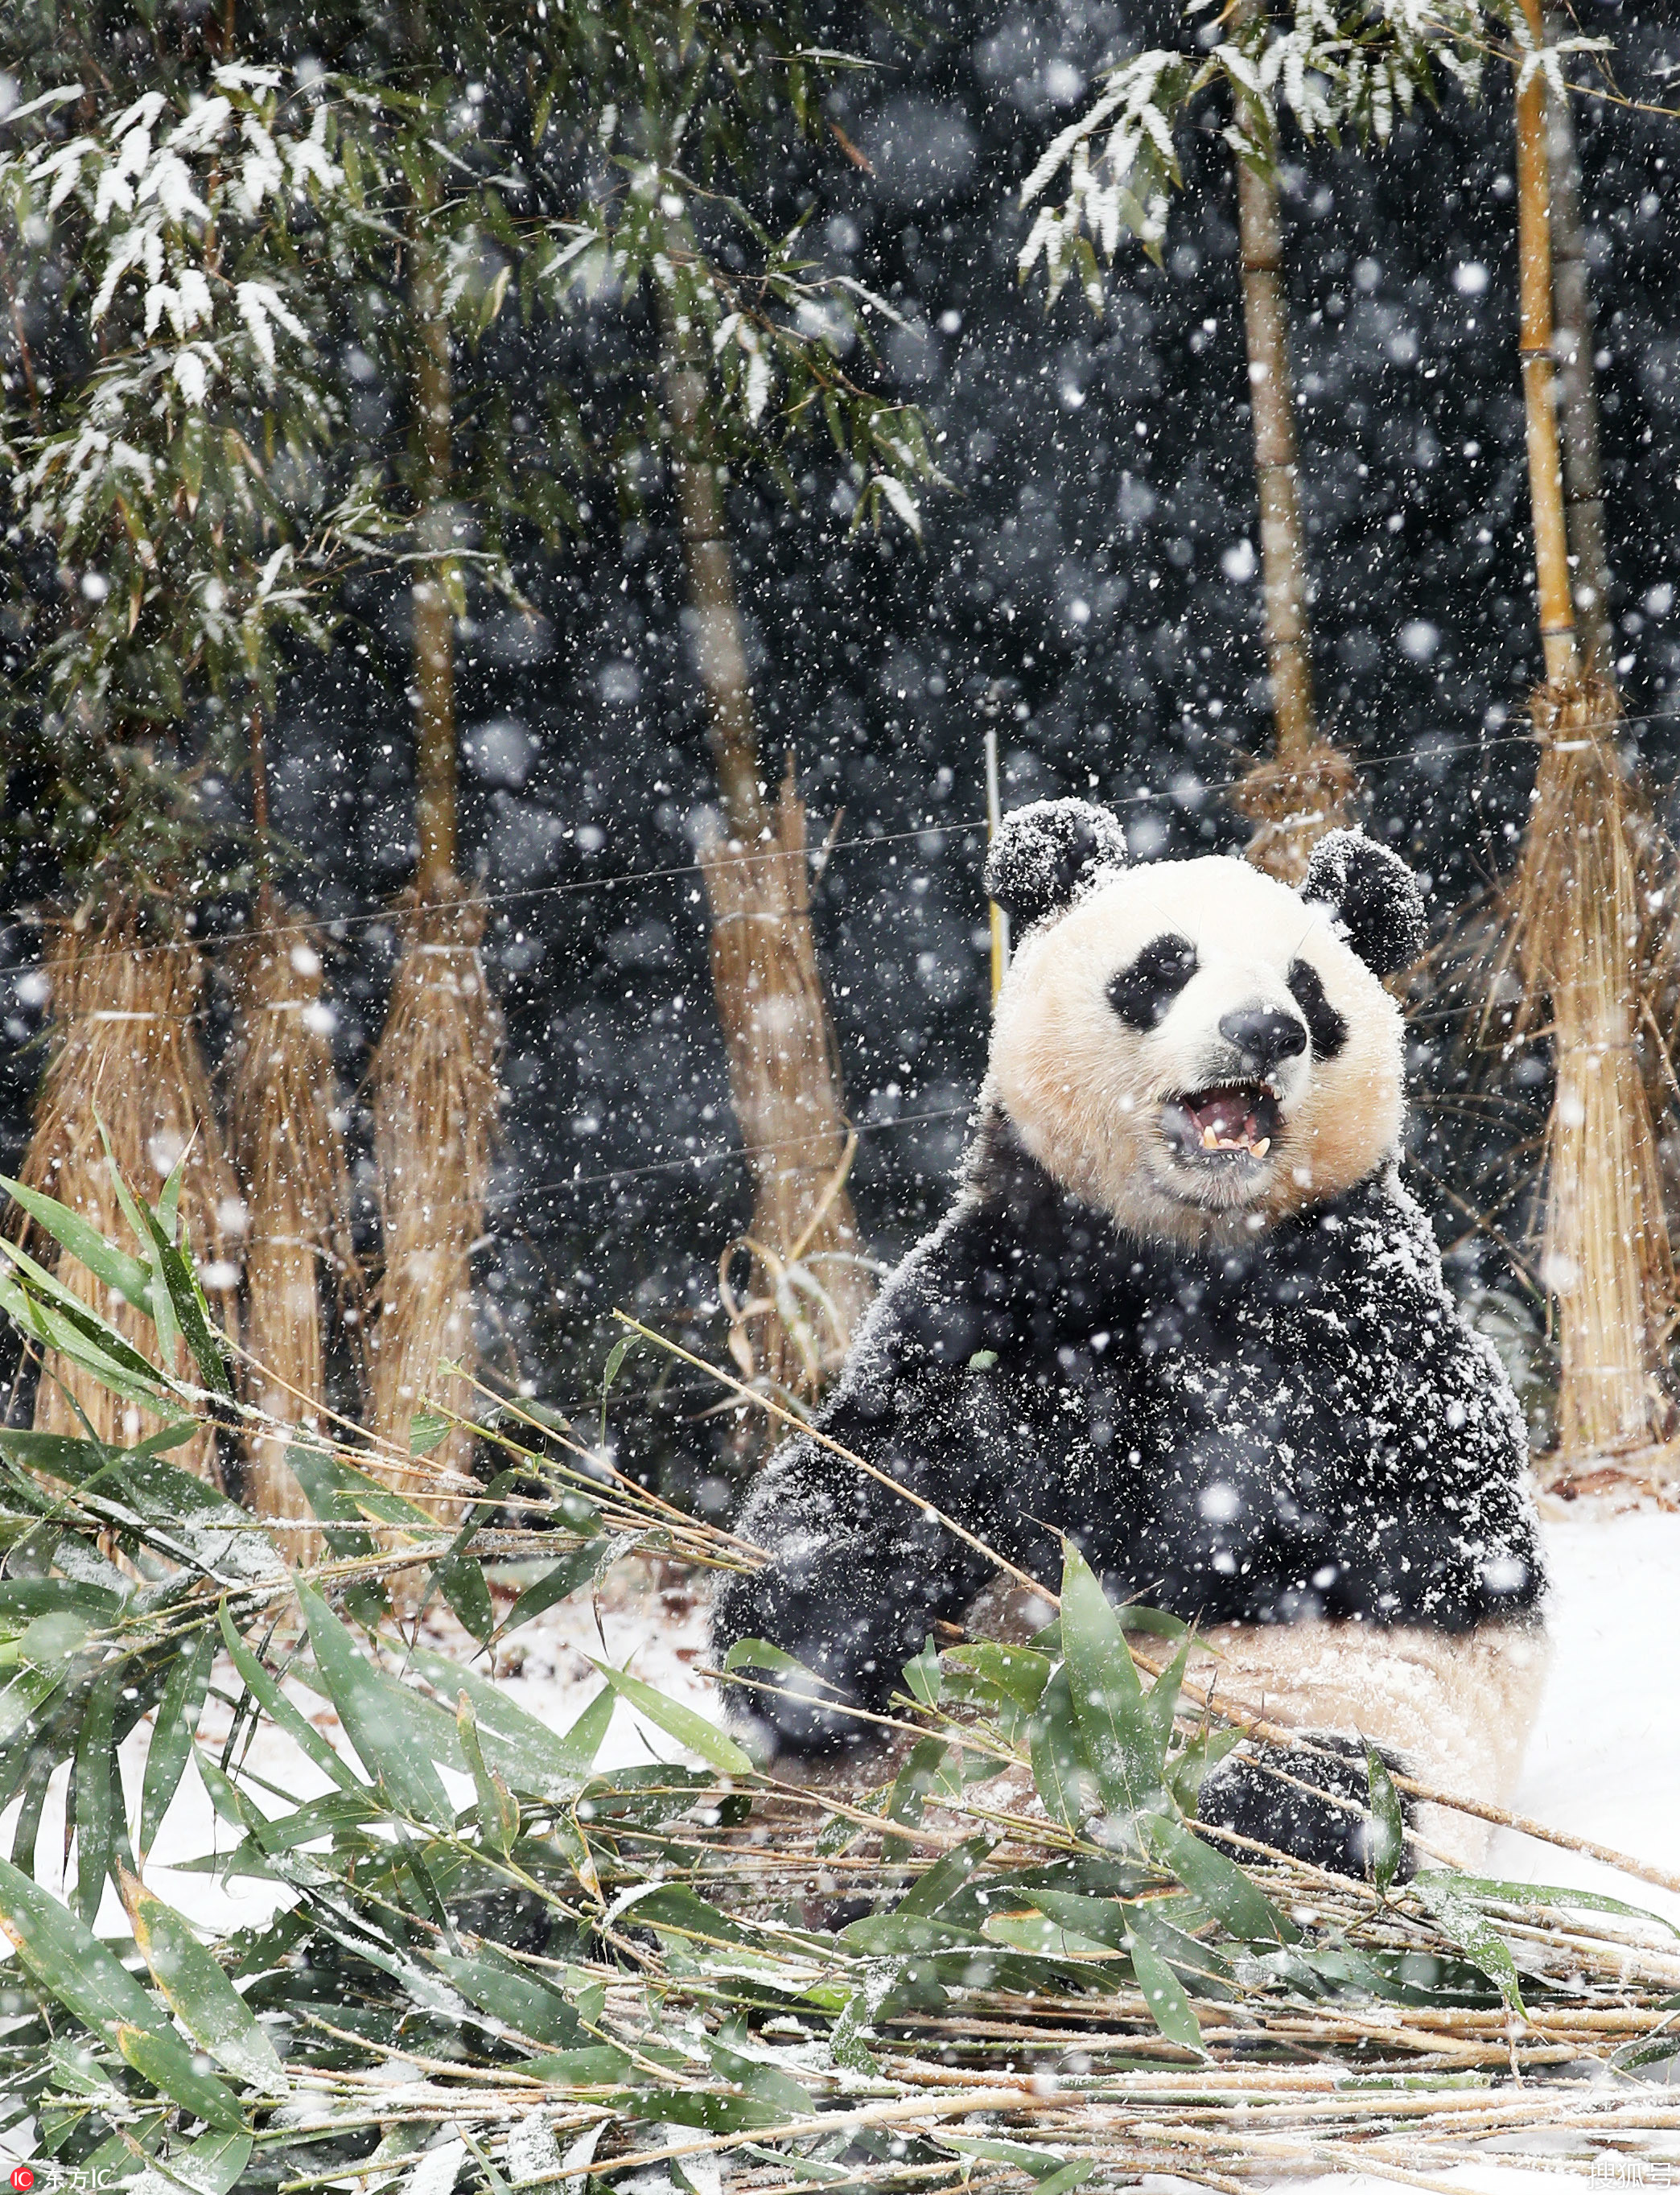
[(1243, 1792)]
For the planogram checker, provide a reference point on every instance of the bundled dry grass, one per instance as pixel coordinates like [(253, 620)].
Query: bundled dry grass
[(1291, 803), (125, 1053), (809, 1284), (290, 1145), (1579, 935), (432, 1082)]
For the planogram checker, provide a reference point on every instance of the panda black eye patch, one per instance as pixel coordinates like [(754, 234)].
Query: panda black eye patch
[(1142, 993), (1325, 1026)]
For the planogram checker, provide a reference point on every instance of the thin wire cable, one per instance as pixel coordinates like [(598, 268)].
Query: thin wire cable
[(390, 912)]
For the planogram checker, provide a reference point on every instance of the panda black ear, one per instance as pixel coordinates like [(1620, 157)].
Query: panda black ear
[(1376, 900), (1043, 854)]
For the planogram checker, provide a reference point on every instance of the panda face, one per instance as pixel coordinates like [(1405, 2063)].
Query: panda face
[(1193, 1048)]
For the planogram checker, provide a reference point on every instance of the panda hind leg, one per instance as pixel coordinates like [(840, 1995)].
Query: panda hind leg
[(1310, 1801)]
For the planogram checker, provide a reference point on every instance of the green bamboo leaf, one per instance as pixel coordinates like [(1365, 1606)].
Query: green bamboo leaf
[(97, 1781), (159, 2056), (497, 1811), (172, 1734), (573, 1572), (32, 1688), (1387, 1823), (68, 1960), (1164, 1996), (690, 1730), (1120, 1742), (1457, 1917), (529, 1756), (280, 1709), (1217, 1884), (394, 1731), (427, 1431), (198, 1992), (1017, 1672), (493, 1982), (190, 1309), (116, 1268), (1058, 1754)]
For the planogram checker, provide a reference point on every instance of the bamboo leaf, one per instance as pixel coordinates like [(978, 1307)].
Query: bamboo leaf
[(568, 1576), (295, 1724), (177, 1721), (1387, 1823), (1058, 1755), (1164, 1995), (1451, 1902), (99, 1793), (198, 1992), (1217, 1884), (530, 1756), (690, 1730), (116, 1268), (71, 1963), (394, 1731), (1120, 1739)]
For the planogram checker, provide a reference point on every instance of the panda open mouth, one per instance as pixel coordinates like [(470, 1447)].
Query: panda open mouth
[(1237, 1120)]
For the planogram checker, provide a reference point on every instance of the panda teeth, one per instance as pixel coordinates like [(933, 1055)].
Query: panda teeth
[(1262, 1147), (1210, 1141)]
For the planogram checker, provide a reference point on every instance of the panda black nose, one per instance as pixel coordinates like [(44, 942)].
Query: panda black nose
[(1263, 1036)]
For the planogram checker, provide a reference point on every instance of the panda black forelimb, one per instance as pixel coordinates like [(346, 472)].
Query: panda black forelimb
[(1311, 1801)]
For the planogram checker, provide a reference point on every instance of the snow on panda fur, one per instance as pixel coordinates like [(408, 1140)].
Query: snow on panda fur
[(1184, 1311)]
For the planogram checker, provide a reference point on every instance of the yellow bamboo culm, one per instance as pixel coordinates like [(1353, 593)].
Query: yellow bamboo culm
[(432, 1083), (290, 1144), (810, 1284), (125, 1053), (1308, 785)]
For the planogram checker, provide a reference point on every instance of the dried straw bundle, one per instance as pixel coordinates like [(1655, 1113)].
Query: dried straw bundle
[(1579, 935), (290, 1145), (433, 1086), (1291, 803), (809, 1283), (125, 1049)]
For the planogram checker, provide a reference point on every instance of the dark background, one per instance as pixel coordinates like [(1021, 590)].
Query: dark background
[(1081, 585)]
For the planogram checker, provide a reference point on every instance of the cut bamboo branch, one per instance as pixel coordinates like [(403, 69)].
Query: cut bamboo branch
[(809, 1282)]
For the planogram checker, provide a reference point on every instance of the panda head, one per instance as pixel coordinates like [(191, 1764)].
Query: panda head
[(1192, 1047)]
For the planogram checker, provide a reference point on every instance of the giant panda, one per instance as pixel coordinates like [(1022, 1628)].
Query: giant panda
[(1183, 1311)]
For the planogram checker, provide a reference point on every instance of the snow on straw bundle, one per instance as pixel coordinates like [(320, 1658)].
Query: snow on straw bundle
[(126, 1055), (432, 1082), (290, 1145), (1579, 935), (809, 1283)]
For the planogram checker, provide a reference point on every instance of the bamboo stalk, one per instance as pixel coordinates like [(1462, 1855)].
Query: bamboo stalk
[(1545, 474), (809, 1283), (1307, 787), (432, 1077), (1573, 345)]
